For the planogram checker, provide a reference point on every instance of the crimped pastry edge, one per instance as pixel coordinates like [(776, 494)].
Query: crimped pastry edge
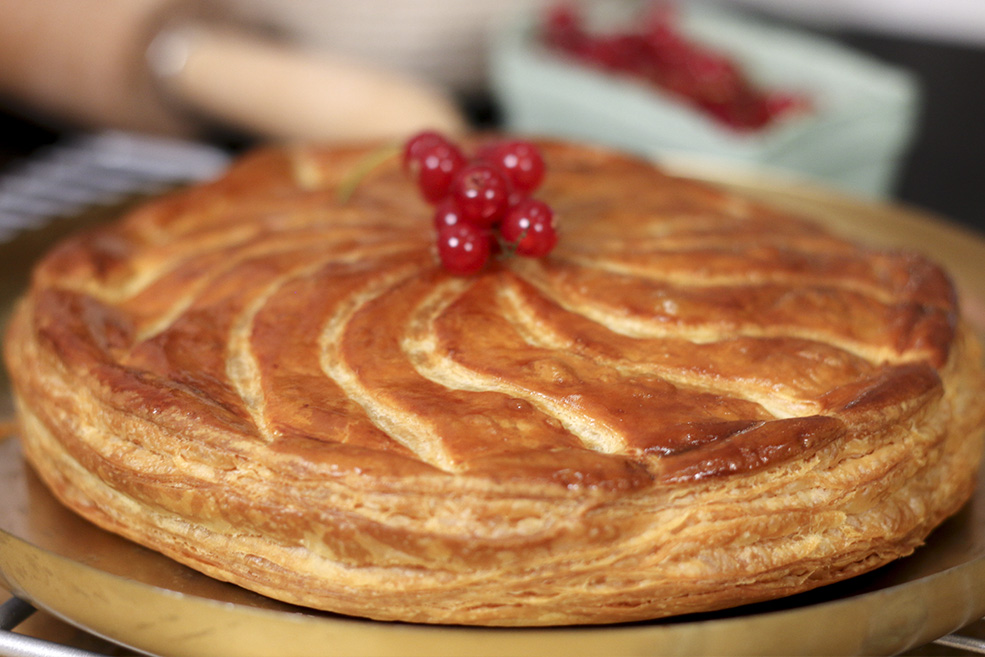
[(884, 495)]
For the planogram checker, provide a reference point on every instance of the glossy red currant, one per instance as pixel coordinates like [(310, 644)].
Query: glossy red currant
[(521, 161), (482, 194), (416, 145), (436, 165), (482, 205), (446, 213), (529, 226), (464, 248)]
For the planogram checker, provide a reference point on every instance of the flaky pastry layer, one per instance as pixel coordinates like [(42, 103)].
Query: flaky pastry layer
[(695, 402)]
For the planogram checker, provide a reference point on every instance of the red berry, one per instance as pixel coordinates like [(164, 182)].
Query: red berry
[(470, 198), (464, 248), (446, 213), (564, 28), (521, 161), (659, 52), (530, 226), (482, 194), (416, 145), (715, 78), (436, 166), (779, 103)]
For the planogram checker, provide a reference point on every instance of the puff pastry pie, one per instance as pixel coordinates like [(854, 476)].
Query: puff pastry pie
[(695, 402)]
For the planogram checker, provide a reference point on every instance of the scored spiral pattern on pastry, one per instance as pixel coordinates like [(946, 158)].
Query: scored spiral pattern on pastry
[(695, 402)]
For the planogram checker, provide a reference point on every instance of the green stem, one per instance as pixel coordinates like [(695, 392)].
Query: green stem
[(507, 248), (373, 160)]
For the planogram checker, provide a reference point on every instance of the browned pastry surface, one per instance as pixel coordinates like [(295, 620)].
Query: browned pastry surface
[(694, 402)]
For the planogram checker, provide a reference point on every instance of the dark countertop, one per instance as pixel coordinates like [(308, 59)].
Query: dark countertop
[(945, 169)]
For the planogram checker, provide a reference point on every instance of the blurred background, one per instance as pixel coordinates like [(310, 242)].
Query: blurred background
[(892, 88)]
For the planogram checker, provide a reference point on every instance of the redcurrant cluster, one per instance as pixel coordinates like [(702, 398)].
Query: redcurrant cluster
[(660, 54), (482, 204)]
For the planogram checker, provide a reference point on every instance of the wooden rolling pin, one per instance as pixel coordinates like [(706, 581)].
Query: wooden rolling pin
[(163, 66)]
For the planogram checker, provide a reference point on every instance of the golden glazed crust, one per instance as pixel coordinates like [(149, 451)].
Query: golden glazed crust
[(694, 402)]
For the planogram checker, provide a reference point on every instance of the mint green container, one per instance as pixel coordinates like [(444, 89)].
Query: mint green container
[(863, 117)]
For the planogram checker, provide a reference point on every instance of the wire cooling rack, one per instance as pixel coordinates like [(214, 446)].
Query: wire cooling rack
[(96, 169)]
